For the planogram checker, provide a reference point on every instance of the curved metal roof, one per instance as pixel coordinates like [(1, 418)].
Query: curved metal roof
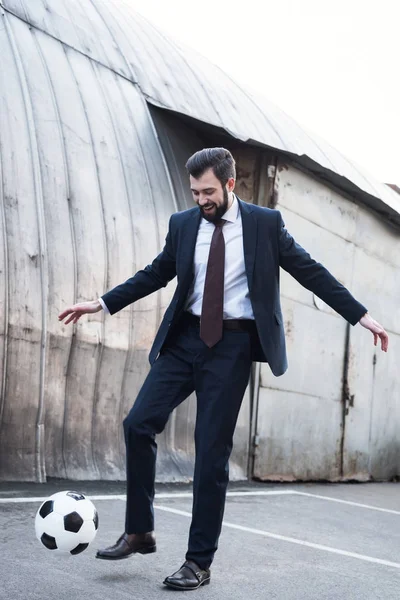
[(178, 78)]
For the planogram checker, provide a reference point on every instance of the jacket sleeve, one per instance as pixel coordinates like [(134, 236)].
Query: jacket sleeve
[(144, 282), (315, 277)]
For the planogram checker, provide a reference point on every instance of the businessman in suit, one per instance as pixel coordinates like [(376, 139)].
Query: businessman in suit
[(225, 313)]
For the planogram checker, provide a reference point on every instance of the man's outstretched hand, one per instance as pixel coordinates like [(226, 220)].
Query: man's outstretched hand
[(377, 330), (77, 310)]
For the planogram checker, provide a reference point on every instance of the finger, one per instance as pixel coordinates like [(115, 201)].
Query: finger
[(71, 318), (66, 312), (375, 338), (385, 341)]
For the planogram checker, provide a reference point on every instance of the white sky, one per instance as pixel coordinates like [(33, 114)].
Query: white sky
[(333, 65)]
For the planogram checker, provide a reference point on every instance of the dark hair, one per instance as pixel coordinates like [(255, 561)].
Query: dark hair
[(220, 160)]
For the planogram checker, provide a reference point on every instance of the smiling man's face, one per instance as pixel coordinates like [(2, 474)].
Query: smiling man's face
[(211, 196)]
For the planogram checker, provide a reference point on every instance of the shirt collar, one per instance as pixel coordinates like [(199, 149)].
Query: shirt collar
[(232, 212)]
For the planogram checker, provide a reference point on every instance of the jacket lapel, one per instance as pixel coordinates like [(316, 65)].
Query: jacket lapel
[(190, 230), (249, 225)]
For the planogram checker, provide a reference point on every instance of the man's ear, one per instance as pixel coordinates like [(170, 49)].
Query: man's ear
[(231, 184)]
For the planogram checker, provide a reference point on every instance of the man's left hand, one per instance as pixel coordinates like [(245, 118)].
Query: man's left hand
[(378, 332)]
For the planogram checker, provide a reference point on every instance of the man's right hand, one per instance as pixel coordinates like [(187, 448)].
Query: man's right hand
[(77, 310)]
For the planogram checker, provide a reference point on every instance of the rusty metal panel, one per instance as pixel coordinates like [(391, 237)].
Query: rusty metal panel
[(309, 425), (300, 414), (298, 433), (371, 444)]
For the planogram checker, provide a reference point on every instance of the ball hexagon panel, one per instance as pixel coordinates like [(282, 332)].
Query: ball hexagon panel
[(87, 532), (68, 540), (51, 525), (69, 502)]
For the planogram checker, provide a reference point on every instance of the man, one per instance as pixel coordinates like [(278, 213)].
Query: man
[(225, 313)]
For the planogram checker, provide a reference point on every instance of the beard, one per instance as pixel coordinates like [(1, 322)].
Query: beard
[(219, 210)]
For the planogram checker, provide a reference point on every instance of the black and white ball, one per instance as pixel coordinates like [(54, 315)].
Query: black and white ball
[(66, 522)]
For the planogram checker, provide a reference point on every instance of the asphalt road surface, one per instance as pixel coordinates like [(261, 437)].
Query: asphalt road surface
[(284, 542)]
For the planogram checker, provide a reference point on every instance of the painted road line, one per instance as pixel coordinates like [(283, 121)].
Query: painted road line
[(42, 499), (349, 502), (291, 540), (163, 495), (173, 495)]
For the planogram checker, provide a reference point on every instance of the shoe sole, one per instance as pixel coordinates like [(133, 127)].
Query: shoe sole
[(148, 550), (187, 589)]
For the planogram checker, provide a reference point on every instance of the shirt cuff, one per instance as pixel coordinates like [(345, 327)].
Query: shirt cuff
[(104, 305)]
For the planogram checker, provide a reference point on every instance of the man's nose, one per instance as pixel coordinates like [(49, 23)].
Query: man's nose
[(202, 200)]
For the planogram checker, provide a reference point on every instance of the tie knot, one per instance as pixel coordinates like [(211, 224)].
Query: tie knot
[(220, 223)]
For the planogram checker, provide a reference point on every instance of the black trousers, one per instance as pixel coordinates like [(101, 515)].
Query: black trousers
[(219, 376)]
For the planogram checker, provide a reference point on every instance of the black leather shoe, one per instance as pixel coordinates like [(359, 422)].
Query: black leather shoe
[(189, 577), (127, 544)]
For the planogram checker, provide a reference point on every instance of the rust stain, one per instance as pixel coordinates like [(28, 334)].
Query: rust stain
[(288, 328)]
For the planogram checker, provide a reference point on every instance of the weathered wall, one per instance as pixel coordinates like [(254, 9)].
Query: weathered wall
[(86, 196), (86, 193), (85, 202), (306, 427)]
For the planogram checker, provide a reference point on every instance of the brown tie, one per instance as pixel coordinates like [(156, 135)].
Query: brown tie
[(213, 295)]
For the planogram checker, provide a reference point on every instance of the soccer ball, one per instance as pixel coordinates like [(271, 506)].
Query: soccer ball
[(66, 522)]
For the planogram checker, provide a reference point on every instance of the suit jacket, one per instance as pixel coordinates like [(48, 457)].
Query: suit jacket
[(267, 247)]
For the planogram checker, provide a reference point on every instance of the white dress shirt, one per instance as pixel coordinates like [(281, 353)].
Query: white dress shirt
[(237, 303)]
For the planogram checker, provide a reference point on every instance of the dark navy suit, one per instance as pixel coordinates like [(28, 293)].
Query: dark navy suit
[(182, 363)]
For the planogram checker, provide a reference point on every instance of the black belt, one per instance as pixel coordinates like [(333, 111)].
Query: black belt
[(229, 324)]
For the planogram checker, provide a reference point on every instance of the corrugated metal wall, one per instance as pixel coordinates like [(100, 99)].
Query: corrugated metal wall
[(85, 202), (169, 75), (86, 199)]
